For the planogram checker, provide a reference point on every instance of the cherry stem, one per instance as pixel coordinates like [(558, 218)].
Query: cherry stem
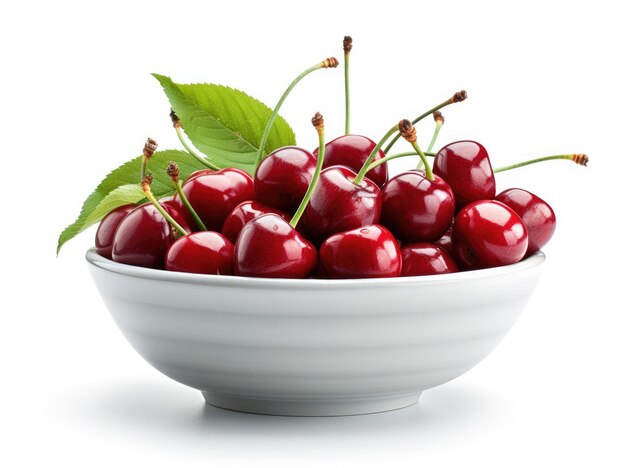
[(407, 130), (347, 47), (581, 159), (148, 150), (181, 136), (331, 62), (459, 96), (380, 161), (145, 186), (318, 123), (173, 172), (439, 120), (427, 168), (361, 175)]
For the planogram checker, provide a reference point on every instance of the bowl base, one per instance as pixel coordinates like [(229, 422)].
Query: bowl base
[(343, 407)]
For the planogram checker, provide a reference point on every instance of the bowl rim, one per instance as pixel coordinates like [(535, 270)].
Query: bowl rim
[(534, 261)]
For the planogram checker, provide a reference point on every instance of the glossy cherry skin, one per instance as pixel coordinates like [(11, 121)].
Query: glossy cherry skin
[(337, 204), (269, 247), (465, 166), (352, 151), (423, 259), (283, 177), (537, 215), (486, 234), (245, 212), (416, 209), (107, 227), (143, 237), (366, 252), (200, 172), (205, 252), (214, 195)]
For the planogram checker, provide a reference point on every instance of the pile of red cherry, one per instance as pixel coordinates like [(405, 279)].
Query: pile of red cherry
[(406, 225)]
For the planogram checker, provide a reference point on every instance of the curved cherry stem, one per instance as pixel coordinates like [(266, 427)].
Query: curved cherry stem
[(438, 124), (145, 186), (581, 159), (331, 62), (181, 137), (192, 152), (459, 96), (318, 123), (173, 172), (361, 175), (377, 163), (407, 130), (427, 168)]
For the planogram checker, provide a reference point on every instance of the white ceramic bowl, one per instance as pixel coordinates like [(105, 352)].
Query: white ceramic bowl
[(313, 347)]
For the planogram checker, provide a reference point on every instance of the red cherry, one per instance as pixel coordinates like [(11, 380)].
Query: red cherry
[(214, 195), (488, 233), (283, 177), (107, 227), (416, 209), (204, 252), (538, 216), (465, 166), (366, 252), (199, 172), (337, 204), (422, 258), (352, 151), (143, 236), (245, 212), (269, 247)]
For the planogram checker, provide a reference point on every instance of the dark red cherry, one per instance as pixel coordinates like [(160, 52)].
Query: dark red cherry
[(366, 252), (282, 178), (204, 252), (416, 209), (465, 166), (488, 233), (143, 236), (245, 212), (269, 247), (337, 204), (214, 195), (422, 258), (538, 216), (352, 151), (107, 227)]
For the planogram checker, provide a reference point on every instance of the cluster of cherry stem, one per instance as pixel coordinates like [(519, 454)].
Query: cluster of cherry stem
[(405, 128)]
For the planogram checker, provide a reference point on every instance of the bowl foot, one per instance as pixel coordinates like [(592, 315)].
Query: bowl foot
[(342, 407)]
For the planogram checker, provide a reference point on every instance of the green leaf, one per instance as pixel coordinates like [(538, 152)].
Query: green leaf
[(224, 123), (122, 195), (121, 187)]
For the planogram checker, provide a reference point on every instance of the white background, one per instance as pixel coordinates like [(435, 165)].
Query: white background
[(78, 99)]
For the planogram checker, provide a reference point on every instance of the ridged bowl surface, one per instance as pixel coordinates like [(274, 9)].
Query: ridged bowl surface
[(313, 347)]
